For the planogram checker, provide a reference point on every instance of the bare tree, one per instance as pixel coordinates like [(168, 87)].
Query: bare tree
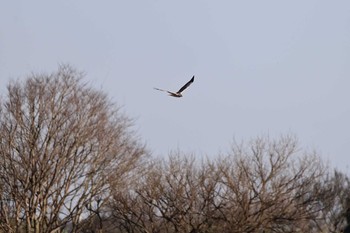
[(334, 196), (130, 212), (175, 195), (60, 142), (184, 198), (269, 187)]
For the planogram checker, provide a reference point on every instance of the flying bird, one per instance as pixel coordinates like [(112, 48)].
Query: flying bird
[(178, 93)]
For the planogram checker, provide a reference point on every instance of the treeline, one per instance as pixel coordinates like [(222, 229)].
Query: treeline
[(261, 186), (69, 162)]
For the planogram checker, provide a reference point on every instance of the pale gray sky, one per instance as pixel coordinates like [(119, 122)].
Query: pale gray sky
[(262, 67)]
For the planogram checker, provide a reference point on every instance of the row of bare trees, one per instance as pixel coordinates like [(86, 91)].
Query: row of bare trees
[(70, 163), (261, 186)]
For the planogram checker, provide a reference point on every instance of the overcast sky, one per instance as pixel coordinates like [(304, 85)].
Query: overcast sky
[(261, 67)]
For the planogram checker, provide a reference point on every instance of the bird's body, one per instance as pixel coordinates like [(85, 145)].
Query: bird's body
[(178, 93)]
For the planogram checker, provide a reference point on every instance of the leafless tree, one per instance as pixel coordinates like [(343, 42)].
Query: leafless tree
[(270, 186), (130, 213), (175, 195), (60, 142), (334, 196)]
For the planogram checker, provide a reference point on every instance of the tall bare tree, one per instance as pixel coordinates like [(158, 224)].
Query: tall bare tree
[(60, 141)]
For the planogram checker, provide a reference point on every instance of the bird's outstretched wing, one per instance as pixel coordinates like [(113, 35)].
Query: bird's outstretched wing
[(160, 89), (186, 85)]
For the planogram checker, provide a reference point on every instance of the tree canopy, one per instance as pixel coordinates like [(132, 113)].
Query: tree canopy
[(60, 141)]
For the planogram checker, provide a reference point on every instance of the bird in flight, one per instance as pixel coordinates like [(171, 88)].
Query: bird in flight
[(178, 93)]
